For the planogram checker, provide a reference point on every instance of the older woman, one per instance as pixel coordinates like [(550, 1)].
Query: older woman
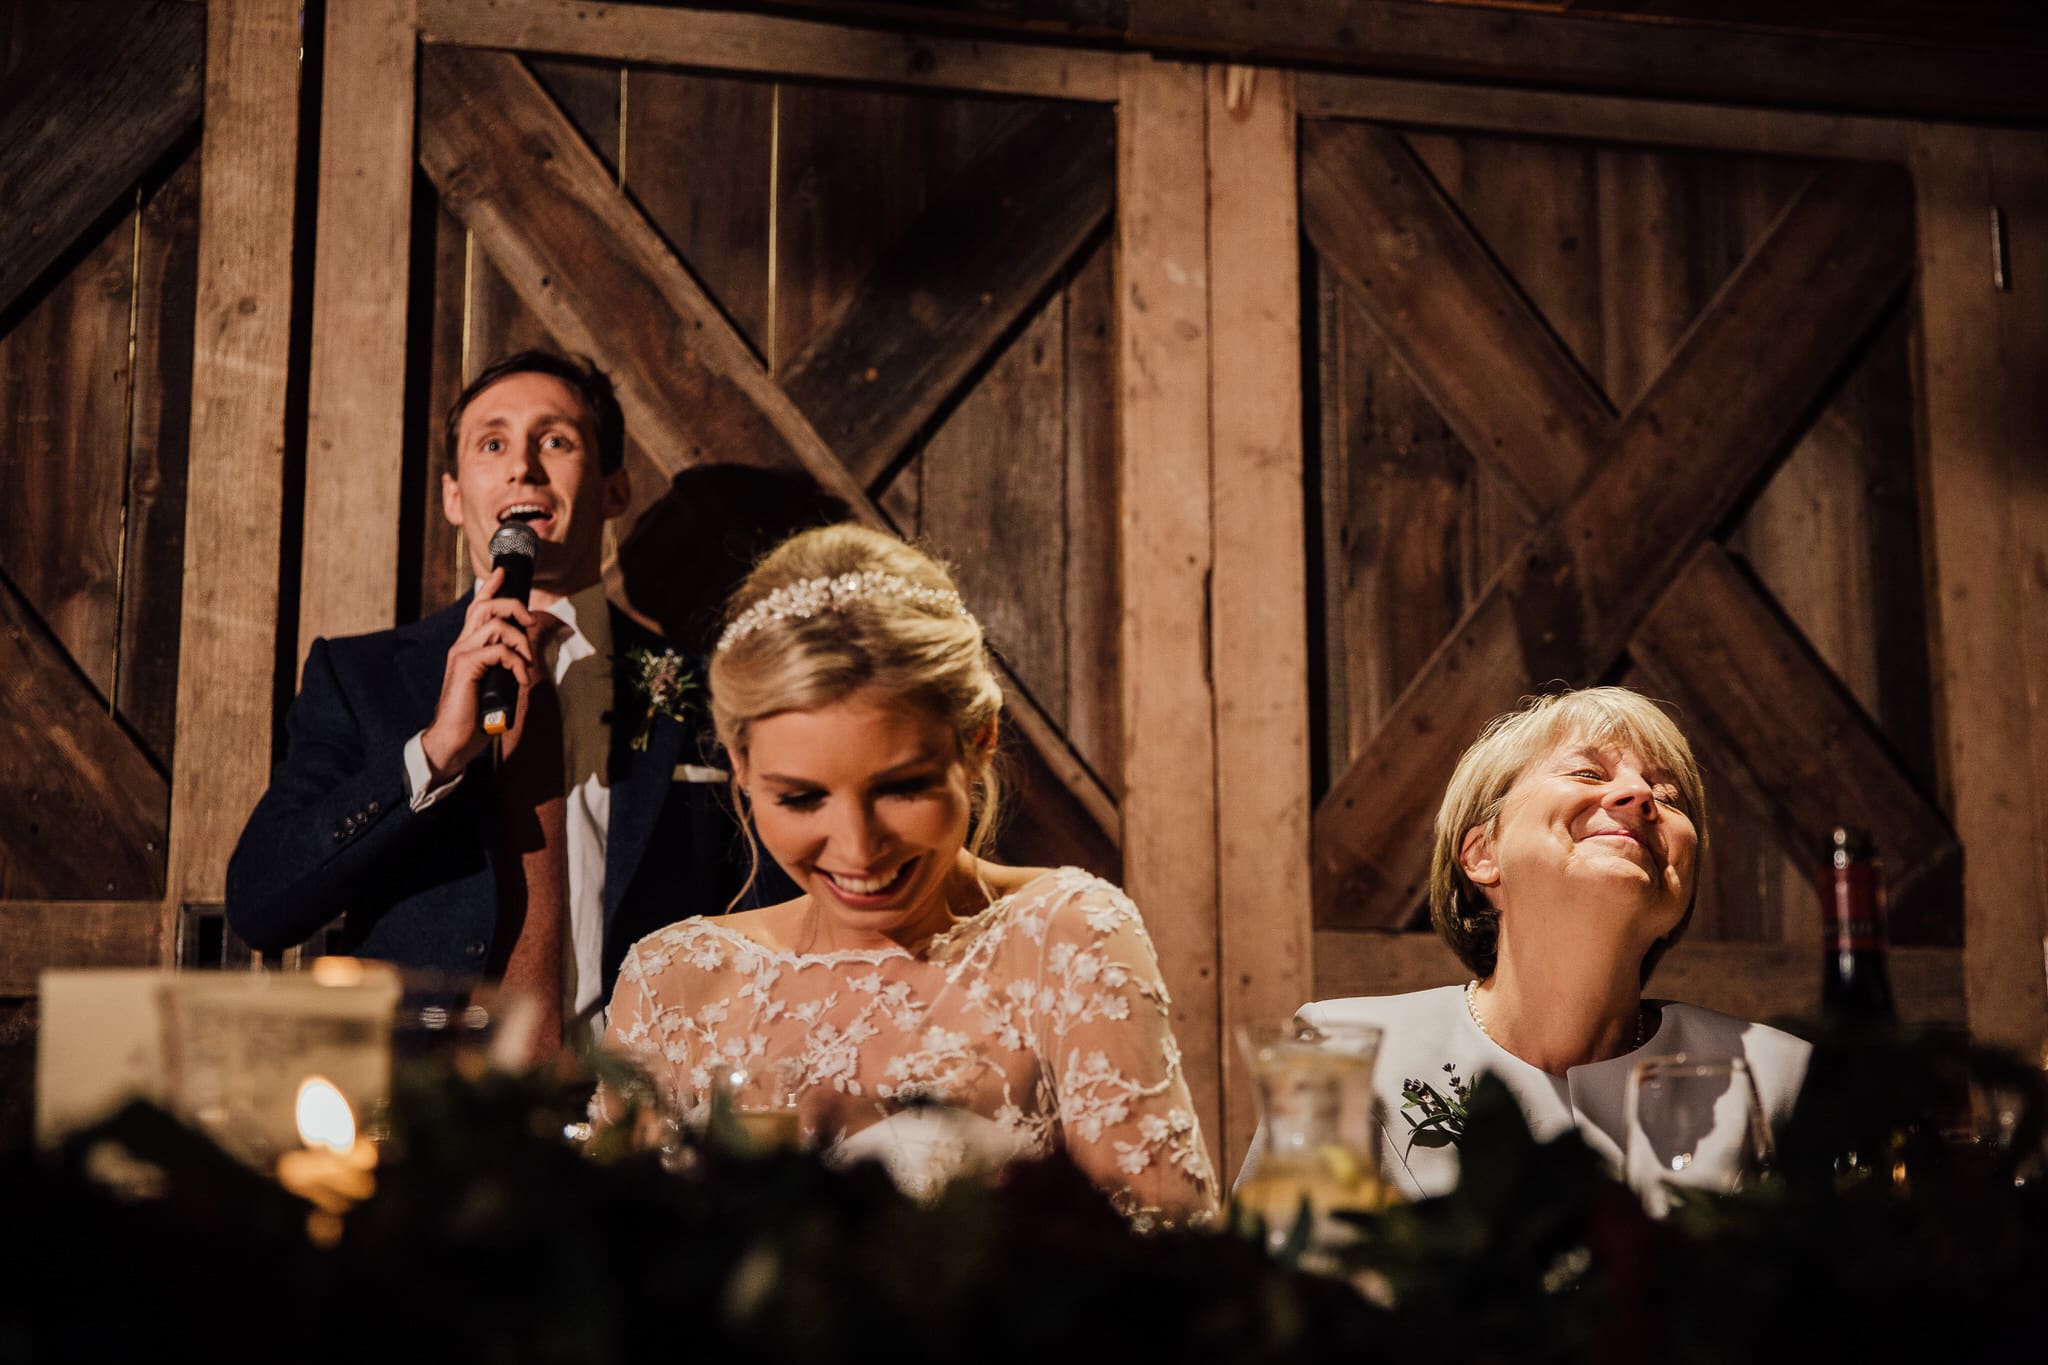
[(923, 1004), (1566, 864)]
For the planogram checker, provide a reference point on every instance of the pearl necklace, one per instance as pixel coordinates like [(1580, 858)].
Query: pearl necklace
[(1472, 1008)]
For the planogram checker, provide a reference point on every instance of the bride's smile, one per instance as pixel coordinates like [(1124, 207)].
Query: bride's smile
[(866, 802)]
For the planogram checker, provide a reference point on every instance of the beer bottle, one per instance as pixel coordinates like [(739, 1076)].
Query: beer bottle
[(1855, 986)]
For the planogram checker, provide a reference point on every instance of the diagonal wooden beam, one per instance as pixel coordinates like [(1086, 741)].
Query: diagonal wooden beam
[(519, 176), (1497, 375), (1753, 690), (103, 112), (1571, 595), (514, 170), (1457, 321), (945, 294), (81, 806)]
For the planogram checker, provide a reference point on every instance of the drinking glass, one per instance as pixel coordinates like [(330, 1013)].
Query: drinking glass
[(1692, 1125), (756, 1101), (1321, 1137)]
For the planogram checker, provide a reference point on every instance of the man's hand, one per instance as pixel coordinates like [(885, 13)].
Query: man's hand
[(496, 630)]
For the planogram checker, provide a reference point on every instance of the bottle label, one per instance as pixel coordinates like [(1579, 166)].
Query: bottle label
[(1855, 917)]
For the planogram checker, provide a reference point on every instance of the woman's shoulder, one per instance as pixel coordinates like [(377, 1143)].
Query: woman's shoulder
[(701, 942), (1384, 1010), (1070, 900)]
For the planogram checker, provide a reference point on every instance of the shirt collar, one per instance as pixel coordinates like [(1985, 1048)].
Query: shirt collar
[(588, 615)]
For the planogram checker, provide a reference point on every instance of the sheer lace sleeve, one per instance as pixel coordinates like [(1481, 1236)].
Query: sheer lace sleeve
[(646, 1024), (1107, 1040)]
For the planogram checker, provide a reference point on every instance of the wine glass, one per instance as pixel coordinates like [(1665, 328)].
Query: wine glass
[(1692, 1124), (1321, 1138)]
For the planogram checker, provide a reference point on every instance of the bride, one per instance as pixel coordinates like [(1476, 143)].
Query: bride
[(924, 1005)]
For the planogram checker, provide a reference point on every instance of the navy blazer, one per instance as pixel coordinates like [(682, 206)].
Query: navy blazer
[(336, 834)]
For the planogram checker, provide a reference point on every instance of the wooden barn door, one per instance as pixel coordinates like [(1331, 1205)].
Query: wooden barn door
[(1596, 412)]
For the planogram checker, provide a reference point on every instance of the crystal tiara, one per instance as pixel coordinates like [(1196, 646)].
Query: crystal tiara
[(808, 597)]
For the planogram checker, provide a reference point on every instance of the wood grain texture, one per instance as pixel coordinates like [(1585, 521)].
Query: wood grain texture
[(698, 156), (1163, 337), (993, 504), (234, 506), (159, 436), (86, 126), (1259, 598), (596, 274), (1987, 497), (1094, 720), (1761, 981), (1817, 766), (1626, 120), (770, 46), (539, 201), (1468, 336), (1523, 46), (1572, 594), (36, 936), (355, 421), (82, 811), (937, 301), (64, 373)]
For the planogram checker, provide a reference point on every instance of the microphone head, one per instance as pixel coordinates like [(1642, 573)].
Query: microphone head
[(515, 538)]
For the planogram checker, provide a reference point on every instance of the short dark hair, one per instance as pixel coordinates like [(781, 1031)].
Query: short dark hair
[(608, 423)]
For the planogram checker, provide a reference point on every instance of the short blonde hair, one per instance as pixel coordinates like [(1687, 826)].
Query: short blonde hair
[(898, 628), (1463, 915)]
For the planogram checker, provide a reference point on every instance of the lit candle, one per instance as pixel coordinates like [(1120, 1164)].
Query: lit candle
[(335, 1172)]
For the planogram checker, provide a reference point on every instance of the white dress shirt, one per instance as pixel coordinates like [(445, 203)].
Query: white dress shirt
[(580, 659)]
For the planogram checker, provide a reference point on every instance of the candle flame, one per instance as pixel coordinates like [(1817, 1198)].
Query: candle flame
[(324, 1116)]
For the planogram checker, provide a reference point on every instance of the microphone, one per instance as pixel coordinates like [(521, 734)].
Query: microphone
[(512, 549)]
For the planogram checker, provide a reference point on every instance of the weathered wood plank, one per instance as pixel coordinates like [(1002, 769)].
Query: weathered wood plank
[(159, 432), (36, 936), (511, 167), (1628, 120), (940, 298), (771, 46), (1259, 597), (63, 409), (355, 420), (1163, 336), (1817, 766), (1094, 724), (1527, 47), (1570, 596), (992, 501), (1463, 329), (1982, 356), (235, 500), (699, 151), (1747, 980), (508, 163), (82, 811), (83, 131)]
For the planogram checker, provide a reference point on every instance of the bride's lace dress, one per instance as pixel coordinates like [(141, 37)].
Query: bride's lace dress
[(1040, 1022)]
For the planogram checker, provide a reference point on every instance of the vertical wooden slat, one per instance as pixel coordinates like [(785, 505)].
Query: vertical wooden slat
[(1984, 351), (1169, 806), (1094, 703), (355, 424), (1259, 636), (242, 341), (159, 427)]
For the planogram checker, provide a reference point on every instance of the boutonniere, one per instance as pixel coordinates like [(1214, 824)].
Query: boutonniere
[(663, 686), (1439, 1117)]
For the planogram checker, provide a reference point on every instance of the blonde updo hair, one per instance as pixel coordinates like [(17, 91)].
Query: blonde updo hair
[(792, 643), (1461, 912)]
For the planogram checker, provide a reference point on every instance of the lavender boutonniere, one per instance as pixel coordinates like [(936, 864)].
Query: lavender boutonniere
[(1439, 1117), (663, 686)]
